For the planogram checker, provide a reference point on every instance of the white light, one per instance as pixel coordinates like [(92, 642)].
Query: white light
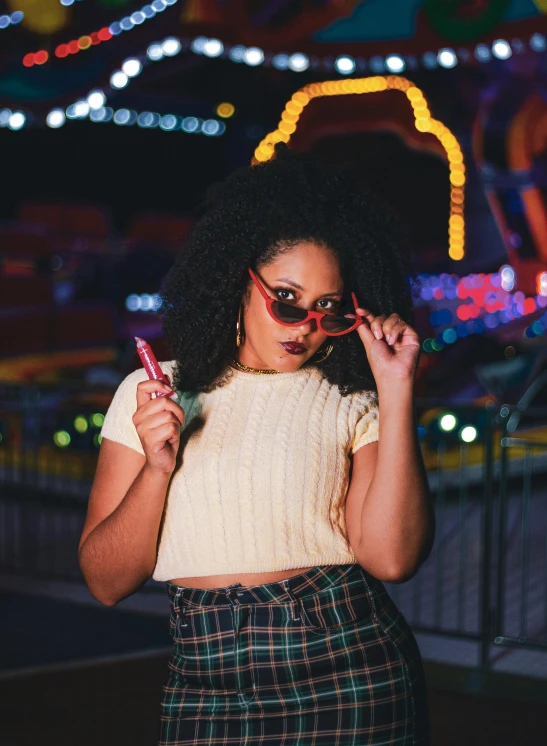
[(213, 48), (119, 79), (501, 49), (253, 56), (281, 61), (190, 124), (395, 63), (171, 46), (5, 114), (537, 43), (133, 302), (147, 302), (298, 62), (132, 67), (122, 116), (482, 53), (154, 52), (508, 277), (168, 122), (377, 64), (137, 17), (148, 119), (81, 109), (17, 120), (126, 23), (96, 99), (344, 64), (198, 44), (98, 115), (430, 60), (56, 118), (210, 127), (448, 422), (468, 434), (447, 58), (237, 53)]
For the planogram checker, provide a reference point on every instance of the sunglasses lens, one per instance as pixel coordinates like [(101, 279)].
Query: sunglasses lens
[(333, 324), (288, 314)]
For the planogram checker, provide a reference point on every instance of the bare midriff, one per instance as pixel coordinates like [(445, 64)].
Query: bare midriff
[(222, 581)]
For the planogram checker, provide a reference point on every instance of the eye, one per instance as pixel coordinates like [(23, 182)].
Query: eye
[(335, 304), (283, 290)]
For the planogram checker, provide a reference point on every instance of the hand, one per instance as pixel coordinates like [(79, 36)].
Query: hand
[(158, 423), (392, 346)]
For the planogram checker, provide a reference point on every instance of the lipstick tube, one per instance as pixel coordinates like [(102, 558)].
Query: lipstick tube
[(151, 365)]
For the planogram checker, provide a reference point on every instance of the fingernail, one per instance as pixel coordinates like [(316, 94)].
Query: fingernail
[(390, 339), (378, 334)]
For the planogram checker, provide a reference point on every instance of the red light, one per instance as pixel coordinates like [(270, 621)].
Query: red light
[(530, 305), (41, 57), (62, 51), (73, 47), (28, 60), (104, 34)]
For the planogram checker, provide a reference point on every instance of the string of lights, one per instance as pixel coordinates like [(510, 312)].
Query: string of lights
[(11, 19), (97, 37), (345, 64), (481, 302), (423, 122)]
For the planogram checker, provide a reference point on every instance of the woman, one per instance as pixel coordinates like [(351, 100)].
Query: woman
[(272, 509)]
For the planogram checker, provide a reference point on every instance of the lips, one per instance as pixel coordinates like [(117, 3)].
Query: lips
[(293, 348)]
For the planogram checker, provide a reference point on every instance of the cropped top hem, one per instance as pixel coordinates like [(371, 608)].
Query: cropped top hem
[(295, 562)]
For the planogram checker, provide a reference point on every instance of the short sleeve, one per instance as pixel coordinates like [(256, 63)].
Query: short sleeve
[(118, 422), (364, 420)]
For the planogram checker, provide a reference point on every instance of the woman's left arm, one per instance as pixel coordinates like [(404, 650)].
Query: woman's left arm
[(397, 520)]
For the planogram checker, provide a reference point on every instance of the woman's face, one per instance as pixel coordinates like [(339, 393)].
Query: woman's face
[(309, 277)]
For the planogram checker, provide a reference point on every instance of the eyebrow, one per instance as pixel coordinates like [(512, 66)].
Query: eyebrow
[(299, 287)]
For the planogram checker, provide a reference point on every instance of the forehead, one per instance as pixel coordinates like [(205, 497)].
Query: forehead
[(307, 263)]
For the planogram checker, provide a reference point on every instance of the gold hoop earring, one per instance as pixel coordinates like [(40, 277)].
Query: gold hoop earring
[(239, 327), (329, 349)]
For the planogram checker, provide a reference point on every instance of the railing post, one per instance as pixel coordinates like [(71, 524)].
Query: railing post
[(486, 615)]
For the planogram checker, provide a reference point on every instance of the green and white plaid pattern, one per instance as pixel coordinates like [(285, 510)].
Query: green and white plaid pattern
[(324, 658)]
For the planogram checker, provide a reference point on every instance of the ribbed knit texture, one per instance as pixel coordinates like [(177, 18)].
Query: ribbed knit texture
[(264, 473)]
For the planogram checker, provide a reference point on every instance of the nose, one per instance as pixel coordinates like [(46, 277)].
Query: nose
[(307, 327)]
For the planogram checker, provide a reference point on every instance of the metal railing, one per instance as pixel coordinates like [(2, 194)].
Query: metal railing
[(484, 581)]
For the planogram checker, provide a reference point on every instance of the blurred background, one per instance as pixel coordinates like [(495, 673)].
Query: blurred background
[(114, 118)]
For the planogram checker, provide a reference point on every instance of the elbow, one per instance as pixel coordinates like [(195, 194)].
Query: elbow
[(97, 593)]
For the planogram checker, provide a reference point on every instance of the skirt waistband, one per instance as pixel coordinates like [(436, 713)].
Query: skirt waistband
[(319, 578)]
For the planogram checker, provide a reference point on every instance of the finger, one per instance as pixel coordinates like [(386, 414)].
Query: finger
[(394, 330), (160, 418), (145, 390), (163, 433), (154, 406), (376, 326)]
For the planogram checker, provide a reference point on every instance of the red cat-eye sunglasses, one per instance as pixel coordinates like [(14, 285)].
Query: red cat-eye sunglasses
[(288, 315)]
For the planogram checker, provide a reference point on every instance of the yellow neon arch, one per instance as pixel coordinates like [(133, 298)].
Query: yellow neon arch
[(424, 122)]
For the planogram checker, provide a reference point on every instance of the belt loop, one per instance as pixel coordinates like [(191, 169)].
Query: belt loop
[(180, 611), (294, 601)]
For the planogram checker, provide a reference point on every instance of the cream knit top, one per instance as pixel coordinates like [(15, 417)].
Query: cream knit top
[(263, 475)]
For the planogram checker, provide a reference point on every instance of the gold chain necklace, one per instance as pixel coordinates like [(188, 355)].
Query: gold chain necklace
[(252, 370)]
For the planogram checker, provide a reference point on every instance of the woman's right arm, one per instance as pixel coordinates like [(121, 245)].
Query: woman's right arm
[(118, 546)]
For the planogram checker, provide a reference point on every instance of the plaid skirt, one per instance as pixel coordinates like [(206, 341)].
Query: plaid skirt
[(324, 658)]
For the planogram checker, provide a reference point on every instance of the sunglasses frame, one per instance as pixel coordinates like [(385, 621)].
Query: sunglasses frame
[(317, 315)]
